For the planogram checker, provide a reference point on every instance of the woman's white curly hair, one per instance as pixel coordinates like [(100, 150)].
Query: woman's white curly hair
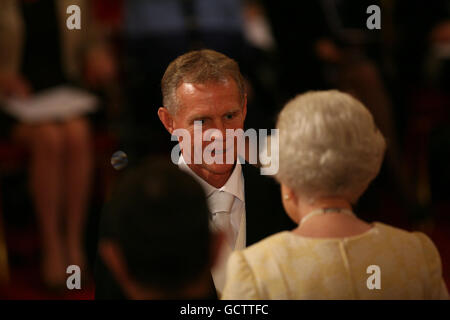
[(329, 146)]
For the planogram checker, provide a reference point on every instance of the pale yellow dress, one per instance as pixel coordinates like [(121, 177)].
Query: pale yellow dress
[(289, 266)]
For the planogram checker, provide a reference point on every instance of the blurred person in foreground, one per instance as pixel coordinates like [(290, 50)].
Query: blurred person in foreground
[(330, 151), (155, 247)]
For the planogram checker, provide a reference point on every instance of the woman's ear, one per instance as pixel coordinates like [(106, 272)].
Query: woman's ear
[(290, 203)]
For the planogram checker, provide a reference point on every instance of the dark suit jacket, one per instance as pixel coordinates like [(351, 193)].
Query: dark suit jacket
[(264, 217), (264, 211)]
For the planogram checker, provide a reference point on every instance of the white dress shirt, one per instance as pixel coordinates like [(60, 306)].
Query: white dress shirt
[(237, 234)]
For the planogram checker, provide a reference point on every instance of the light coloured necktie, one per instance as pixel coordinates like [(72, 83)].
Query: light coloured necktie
[(220, 204)]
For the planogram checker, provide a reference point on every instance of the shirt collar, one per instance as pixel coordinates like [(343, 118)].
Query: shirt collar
[(234, 184)]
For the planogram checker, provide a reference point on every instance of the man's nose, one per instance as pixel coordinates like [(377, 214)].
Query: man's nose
[(218, 125)]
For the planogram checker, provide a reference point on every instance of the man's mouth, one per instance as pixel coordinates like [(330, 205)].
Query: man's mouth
[(217, 151)]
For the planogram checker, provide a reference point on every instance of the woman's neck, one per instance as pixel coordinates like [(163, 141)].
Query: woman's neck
[(333, 224), (305, 207)]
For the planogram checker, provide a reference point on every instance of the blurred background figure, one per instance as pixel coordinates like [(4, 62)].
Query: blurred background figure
[(422, 60), (337, 50), (39, 52), (155, 241), (330, 151)]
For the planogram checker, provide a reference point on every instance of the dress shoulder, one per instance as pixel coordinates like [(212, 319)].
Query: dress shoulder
[(241, 283), (438, 289)]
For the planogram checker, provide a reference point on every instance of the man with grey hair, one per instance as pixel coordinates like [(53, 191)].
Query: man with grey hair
[(207, 86)]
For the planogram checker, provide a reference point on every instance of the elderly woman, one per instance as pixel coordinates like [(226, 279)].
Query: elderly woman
[(330, 150)]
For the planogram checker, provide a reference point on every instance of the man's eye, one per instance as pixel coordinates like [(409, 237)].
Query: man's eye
[(229, 116)]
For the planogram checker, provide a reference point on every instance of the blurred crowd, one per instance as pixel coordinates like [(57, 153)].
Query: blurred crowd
[(401, 72)]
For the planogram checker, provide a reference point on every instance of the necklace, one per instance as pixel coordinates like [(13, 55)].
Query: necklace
[(324, 211)]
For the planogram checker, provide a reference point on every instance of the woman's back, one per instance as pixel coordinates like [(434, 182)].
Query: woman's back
[(288, 266)]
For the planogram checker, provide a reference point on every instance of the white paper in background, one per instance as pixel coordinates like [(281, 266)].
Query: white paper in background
[(58, 103)]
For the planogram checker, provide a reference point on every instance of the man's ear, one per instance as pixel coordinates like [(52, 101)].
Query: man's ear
[(166, 119)]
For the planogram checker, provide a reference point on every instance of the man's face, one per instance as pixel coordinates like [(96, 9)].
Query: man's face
[(218, 106)]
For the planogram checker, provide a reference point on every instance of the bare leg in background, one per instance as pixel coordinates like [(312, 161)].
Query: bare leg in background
[(78, 182), (46, 146)]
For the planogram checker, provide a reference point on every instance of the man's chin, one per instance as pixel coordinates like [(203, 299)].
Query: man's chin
[(217, 168)]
